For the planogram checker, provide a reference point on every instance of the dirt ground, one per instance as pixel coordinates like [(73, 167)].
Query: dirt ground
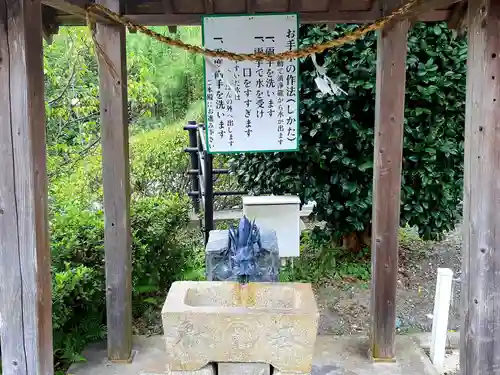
[(345, 307)]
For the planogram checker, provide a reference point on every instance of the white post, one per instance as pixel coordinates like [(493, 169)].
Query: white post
[(440, 319)]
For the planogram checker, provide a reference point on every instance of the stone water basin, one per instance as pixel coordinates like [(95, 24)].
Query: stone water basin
[(221, 321)]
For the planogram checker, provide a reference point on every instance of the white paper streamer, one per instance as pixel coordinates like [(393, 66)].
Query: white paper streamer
[(324, 83)]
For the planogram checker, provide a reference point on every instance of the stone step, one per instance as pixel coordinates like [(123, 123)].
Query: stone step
[(237, 368), (207, 370)]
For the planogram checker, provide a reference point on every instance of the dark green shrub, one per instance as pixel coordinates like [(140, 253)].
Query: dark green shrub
[(158, 257), (335, 162), (79, 312), (77, 238)]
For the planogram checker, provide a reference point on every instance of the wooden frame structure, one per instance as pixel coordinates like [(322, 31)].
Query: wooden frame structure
[(25, 287)]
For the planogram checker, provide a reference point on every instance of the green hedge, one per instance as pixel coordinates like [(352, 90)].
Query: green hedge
[(335, 162)]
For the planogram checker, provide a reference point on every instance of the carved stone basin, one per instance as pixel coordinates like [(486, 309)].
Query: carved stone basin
[(212, 321)]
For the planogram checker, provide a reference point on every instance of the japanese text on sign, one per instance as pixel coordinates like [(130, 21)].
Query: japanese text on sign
[(251, 106)]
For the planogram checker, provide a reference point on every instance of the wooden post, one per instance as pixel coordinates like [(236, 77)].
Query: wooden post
[(387, 165), (480, 335), (115, 160), (25, 287)]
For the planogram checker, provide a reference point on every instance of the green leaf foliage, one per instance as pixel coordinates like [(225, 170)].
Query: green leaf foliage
[(165, 87), (163, 84), (334, 165), (162, 249)]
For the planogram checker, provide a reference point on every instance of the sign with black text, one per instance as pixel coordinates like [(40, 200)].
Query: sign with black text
[(251, 106)]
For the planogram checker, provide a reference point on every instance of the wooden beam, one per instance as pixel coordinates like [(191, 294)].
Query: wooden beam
[(169, 9), (167, 6), (480, 330), (25, 289), (209, 6), (424, 10), (49, 23), (250, 6), (115, 159), (388, 153), (305, 18), (75, 8), (294, 6), (431, 5)]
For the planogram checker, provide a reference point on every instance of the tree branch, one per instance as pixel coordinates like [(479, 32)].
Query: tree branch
[(65, 89)]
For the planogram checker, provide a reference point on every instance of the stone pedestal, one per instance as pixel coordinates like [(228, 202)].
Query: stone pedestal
[(213, 322), (219, 269)]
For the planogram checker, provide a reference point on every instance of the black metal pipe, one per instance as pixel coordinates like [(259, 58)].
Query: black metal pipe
[(193, 144), (191, 125), (229, 193), (218, 193), (192, 150), (209, 195), (214, 171)]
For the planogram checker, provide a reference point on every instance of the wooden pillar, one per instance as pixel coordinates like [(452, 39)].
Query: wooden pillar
[(115, 159), (388, 150), (480, 331), (25, 282)]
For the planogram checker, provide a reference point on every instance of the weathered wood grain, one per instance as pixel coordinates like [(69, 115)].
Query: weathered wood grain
[(11, 328), (25, 290), (388, 150), (115, 160), (480, 335)]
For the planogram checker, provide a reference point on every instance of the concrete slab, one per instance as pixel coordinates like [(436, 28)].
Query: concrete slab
[(451, 364), (424, 340), (232, 368), (347, 355), (334, 355)]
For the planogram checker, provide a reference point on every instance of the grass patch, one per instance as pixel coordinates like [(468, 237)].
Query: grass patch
[(320, 261)]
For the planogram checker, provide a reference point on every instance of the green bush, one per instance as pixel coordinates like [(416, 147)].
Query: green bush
[(335, 161), (162, 249), (159, 163), (159, 256), (79, 314)]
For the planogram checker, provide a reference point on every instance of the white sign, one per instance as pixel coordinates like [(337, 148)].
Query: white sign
[(251, 106)]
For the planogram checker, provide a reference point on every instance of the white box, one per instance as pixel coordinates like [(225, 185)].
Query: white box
[(279, 213)]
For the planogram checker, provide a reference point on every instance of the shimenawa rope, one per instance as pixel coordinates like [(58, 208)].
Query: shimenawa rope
[(295, 54)]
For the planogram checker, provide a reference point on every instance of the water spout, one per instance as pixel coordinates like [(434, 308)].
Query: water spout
[(245, 295)]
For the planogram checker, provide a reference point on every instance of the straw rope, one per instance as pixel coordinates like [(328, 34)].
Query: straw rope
[(401, 13)]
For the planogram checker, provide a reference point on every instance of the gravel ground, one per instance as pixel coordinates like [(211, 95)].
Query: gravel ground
[(345, 307)]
